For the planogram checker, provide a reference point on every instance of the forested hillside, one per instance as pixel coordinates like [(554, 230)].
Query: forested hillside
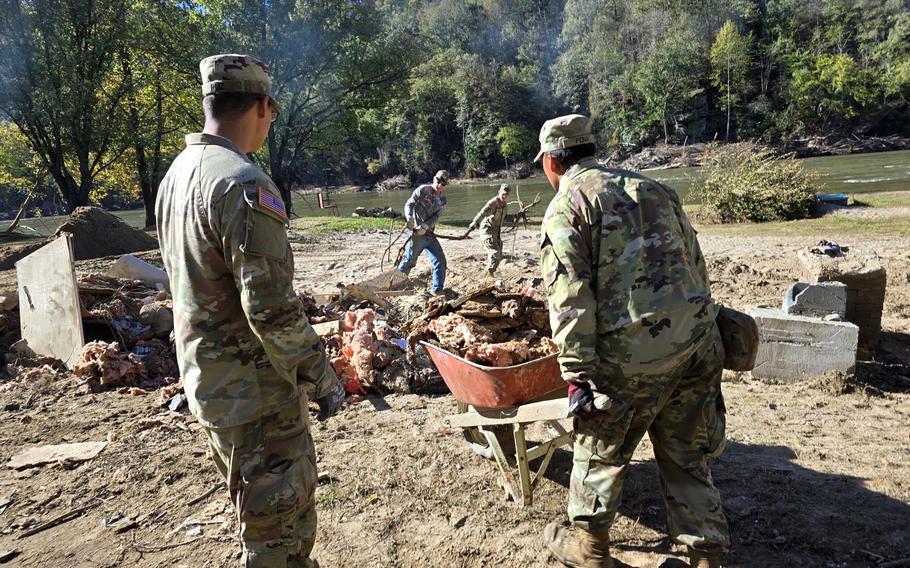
[(95, 95)]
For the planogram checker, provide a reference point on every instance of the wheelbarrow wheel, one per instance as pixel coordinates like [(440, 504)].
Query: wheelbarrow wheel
[(479, 444)]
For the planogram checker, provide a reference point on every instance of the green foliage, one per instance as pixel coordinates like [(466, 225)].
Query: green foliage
[(20, 168), (516, 142), (828, 87), (743, 183)]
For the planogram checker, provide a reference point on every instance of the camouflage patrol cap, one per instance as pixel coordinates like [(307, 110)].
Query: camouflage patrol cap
[(564, 132), (235, 73), (441, 177), (505, 187)]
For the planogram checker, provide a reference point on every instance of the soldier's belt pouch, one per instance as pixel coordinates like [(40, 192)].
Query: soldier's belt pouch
[(739, 335)]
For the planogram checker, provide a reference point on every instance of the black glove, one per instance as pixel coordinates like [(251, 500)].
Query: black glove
[(330, 404), (585, 403), (581, 399)]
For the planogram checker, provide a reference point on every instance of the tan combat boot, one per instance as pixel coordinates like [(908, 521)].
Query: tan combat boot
[(700, 559), (577, 547)]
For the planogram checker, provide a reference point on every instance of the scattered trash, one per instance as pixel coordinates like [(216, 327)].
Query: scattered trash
[(195, 531), (177, 403), (829, 248), (110, 521), (159, 316), (41, 455), (367, 355), (131, 268)]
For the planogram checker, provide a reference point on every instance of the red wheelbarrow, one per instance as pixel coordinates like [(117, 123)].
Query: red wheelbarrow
[(496, 404)]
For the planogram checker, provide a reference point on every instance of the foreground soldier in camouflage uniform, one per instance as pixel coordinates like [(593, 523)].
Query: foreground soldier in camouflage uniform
[(489, 220), (631, 311), (248, 356)]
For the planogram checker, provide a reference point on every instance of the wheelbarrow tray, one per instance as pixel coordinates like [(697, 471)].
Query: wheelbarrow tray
[(496, 387)]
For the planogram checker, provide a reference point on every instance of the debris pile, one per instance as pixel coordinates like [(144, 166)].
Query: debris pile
[(140, 320), (368, 355), (106, 365), (492, 327), (393, 184), (316, 312), (385, 213), (97, 233)]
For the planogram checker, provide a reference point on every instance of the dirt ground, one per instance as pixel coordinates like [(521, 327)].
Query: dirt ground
[(814, 474)]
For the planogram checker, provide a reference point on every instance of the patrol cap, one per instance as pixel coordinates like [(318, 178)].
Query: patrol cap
[(235, 73), (564, 132), (441, 177), (505, 187)]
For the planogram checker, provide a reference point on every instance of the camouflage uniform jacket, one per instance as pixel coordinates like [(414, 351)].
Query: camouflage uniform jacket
[(490, 217), (424, 207), (243, 341), (626, 280)]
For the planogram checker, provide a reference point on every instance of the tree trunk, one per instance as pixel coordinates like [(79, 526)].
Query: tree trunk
[(21, 213), (729, 103)]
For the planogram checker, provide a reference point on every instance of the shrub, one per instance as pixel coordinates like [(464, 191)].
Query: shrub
[(745, 183)]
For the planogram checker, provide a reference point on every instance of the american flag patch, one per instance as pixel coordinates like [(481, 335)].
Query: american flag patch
[(267, 200)]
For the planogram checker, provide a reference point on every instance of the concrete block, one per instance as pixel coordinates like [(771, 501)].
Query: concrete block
[(794, 348), (866, 281), (816, 300)]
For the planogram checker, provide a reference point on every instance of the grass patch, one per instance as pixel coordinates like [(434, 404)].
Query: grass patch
[(889, 199), (829, 226), (329, 224)]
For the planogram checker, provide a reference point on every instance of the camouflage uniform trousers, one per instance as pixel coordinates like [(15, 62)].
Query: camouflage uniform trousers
[(493, 244), (684, 418), (270, 469)]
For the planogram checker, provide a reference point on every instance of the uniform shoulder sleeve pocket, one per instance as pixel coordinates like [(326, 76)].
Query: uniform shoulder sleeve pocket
[(266, 224)]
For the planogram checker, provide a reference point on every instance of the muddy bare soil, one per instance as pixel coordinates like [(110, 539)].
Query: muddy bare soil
[(814, 474)]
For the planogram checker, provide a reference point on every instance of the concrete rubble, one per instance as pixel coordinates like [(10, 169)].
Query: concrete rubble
[(793, 348), (817, 300)]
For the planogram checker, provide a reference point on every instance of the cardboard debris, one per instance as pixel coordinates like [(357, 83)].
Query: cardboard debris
[(80, 451)]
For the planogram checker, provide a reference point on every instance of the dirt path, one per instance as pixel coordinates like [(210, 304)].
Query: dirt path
[(815, 474)]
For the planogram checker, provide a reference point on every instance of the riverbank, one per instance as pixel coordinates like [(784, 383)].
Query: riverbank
[(665, 156)]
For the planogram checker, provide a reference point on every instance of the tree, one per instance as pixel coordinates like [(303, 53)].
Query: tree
[(162, 90), (62, 87), (328, 58), (827, 88), (668, 78), (729, 65), (515, 142)]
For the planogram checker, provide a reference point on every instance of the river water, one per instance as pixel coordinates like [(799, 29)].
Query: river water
[(856, 173)]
